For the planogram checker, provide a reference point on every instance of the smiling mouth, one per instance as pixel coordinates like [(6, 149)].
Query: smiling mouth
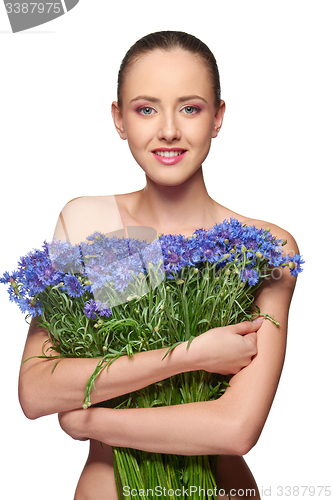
[(169, 153)]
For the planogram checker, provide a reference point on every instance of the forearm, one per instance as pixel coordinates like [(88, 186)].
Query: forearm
[(43, 391), (188, 429), (229, 425)]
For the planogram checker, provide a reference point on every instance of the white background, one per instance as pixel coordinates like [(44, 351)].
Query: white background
[(271, 161)]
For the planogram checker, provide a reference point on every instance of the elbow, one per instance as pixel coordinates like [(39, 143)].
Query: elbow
[(240, 440), (28, 400), (243, 445), (245, 438)]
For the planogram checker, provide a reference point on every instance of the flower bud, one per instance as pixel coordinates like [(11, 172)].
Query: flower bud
[(259, 255), (243, 248)]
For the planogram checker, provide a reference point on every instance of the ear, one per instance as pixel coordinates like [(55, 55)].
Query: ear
[(218, 119), (118, 120)]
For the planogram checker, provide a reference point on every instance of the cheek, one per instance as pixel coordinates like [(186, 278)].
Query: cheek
[(138, 136), (200, 133)]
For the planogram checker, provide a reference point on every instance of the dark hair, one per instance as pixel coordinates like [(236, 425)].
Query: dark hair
[(170, 40)]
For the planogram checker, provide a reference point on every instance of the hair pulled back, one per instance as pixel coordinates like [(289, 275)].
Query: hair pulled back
[(170, 40)]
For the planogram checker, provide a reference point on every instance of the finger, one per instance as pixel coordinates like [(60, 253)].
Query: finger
[(248, 326), (252, 338)]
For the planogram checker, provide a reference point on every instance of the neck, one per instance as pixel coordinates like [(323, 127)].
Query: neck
[(173, 209)]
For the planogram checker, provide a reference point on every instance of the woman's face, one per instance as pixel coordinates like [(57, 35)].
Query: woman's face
[(168, 114)]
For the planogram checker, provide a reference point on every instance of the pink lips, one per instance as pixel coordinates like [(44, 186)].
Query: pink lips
[(169, 160)]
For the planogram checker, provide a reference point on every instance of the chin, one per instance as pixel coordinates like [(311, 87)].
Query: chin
[(171, 177), (170, 181)]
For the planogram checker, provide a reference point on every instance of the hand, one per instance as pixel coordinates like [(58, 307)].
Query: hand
[(74, 423), (226, 350)]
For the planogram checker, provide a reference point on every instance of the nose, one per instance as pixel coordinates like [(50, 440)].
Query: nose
[(168, 128)]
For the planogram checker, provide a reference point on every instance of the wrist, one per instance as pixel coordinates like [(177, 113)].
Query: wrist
[(99, 425), (183, 358)]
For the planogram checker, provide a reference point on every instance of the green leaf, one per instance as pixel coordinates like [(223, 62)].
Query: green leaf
[(171, 348)]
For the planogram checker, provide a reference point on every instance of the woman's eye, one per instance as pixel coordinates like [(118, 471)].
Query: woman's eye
[(190, 110), (146, 110)]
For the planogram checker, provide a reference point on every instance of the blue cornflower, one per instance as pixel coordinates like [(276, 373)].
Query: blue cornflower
[(73, 286), (30, 306), (250, 276), (152, 253), (295, 263), (92, 309), (65, 257), (125, 271), (173, 260)]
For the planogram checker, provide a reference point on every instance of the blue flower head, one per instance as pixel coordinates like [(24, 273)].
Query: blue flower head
[(92, 309), (73, 286), (250, 276), (295, 263)]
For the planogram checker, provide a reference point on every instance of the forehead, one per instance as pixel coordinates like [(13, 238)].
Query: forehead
[(168, 73)]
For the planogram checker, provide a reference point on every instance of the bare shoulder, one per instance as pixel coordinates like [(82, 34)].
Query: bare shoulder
[(278, 232), (76, 205), (85, 215), (276, 293)]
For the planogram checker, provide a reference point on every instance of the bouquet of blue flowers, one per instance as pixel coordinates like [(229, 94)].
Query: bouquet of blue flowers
[(109, 297)]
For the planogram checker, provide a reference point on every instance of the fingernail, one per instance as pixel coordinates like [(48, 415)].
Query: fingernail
[(258, 321)]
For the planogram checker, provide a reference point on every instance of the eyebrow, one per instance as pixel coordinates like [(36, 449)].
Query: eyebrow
[(156, 100)]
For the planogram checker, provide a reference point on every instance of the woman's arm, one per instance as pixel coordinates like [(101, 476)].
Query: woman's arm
[(229, 425), (43, 391)]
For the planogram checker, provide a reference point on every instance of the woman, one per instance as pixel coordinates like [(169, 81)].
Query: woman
[(168, 109)]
